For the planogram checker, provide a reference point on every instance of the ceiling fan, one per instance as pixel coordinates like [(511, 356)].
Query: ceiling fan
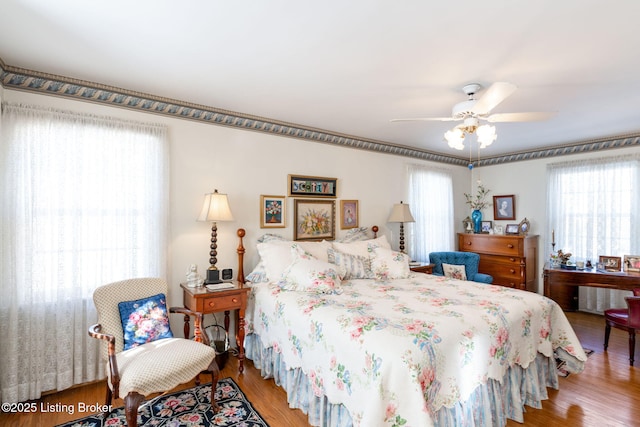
[(473, 110)]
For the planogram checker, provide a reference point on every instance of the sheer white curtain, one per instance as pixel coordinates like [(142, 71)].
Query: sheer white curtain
[(594, 208), (431, 201), (84, 201)]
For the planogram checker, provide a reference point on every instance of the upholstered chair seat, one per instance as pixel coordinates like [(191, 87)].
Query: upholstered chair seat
[(154, 361), (627, 319)]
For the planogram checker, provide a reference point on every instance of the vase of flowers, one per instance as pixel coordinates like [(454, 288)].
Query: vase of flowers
[(477, 203)]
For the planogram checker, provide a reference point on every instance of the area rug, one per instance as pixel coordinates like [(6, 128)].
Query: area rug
[(191, 407), (562, 372)]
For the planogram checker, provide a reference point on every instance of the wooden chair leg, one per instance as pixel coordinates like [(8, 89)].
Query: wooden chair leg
[(215, 374), (108, 399), (607, 332), (131, 403), (632, 345)]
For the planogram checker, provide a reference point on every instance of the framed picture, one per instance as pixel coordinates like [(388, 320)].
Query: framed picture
[(611, 263), (512, 229), (348, 214), (485, 226), (504, 207), (272, 212), (524, 226), (632, 263), (468, 225), (314, 219), (498, 229), (312, 186)]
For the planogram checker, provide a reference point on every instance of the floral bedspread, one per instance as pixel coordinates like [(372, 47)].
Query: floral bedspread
[(394, 352)]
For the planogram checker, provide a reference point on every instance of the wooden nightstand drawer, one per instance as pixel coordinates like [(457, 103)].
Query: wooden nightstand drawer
[(229, 302)]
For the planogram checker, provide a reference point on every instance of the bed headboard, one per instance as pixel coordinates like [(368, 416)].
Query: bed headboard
[(240, 250)]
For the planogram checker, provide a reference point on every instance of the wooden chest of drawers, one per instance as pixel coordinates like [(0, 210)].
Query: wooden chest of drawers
[(511, 260)]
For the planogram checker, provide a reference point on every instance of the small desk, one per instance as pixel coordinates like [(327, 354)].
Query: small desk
[(203, 301), (562, 285), (422, 268)]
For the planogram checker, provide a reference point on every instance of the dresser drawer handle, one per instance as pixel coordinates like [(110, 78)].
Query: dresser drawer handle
[(512, 259), (512, 271), (212, 304), (469, 243), (234, 300), (510, 246)]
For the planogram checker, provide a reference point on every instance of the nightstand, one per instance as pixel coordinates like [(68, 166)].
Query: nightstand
[(422, 268), (203, 301)]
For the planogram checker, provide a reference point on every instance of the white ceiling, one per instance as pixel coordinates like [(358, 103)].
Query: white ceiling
[(351, 66)]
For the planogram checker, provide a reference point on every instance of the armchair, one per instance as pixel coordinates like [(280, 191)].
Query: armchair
[(470, 260), (149, 367), (627, 319)]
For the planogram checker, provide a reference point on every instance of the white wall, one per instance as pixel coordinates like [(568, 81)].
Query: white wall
[(246, 164)]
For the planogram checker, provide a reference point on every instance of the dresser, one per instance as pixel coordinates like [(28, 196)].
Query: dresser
[(512, 260)]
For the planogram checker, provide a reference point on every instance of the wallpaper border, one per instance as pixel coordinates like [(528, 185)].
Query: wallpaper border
[(34, 81)]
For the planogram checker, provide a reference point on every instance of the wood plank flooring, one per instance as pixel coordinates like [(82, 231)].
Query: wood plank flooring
[(605, 394)]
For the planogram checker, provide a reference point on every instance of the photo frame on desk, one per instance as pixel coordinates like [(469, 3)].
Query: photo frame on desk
[(631, 263), (512, 229), (611, 263)]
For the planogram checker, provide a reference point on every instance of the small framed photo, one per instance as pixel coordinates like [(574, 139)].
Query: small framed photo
[(504, 207), (312, 186), (272, 211), (485, 226), (498, 229), (512, 229), (348, 214), (632, 263), (611, 263), (314, 219), (524, 226)]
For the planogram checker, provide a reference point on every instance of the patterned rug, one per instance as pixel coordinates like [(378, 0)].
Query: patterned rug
[(191, 407), (560, 364)]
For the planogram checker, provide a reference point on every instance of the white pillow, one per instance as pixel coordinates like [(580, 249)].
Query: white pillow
[(258, 275), (307, 273), (362, 247), (276, 255), (454, 271), (388, 264), (351, 266)]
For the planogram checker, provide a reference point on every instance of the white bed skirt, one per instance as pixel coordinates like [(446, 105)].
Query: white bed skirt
[(489, 405)]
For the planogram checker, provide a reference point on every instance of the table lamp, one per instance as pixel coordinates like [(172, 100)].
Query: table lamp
[(215, 208), (401, 213)]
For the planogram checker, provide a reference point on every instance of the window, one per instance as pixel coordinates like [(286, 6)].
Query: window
[(84, 203), (593, 207), (431, 201)]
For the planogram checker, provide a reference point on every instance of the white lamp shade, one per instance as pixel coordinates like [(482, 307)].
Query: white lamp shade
[(401, 213), (455, 138), (215, 208), (486, 135)]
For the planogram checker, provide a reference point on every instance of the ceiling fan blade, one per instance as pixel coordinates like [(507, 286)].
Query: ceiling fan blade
[(494, 95), (519, 117), (426, 119)]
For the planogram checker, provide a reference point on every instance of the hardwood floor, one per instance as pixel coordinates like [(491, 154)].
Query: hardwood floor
[(605, 394)]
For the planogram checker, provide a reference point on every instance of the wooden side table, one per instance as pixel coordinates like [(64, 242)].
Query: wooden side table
[(203, 301), (422, 268)]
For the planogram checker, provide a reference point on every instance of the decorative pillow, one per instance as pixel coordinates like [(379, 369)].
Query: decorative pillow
[(388, 264), (454, 271), (307, 273), (270, 237), (363, 247), (258, 275), (276, 255), (355, 235), (144, 320), (351, 266)]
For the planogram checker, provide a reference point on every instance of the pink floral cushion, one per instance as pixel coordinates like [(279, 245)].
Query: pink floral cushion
[(307, 273), (454, 271), (144, 320)]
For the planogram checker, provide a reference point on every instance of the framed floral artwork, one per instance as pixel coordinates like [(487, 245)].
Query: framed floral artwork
[(348, 214), (314, 219), (273, 212)]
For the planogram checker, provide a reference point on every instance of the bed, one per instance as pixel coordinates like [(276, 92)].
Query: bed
[(356, 338)]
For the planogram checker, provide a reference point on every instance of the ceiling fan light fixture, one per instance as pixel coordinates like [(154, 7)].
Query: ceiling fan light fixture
[(455, 138), (486, 135)]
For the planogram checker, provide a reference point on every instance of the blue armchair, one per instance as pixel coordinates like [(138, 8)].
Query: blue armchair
[(470, 261)]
